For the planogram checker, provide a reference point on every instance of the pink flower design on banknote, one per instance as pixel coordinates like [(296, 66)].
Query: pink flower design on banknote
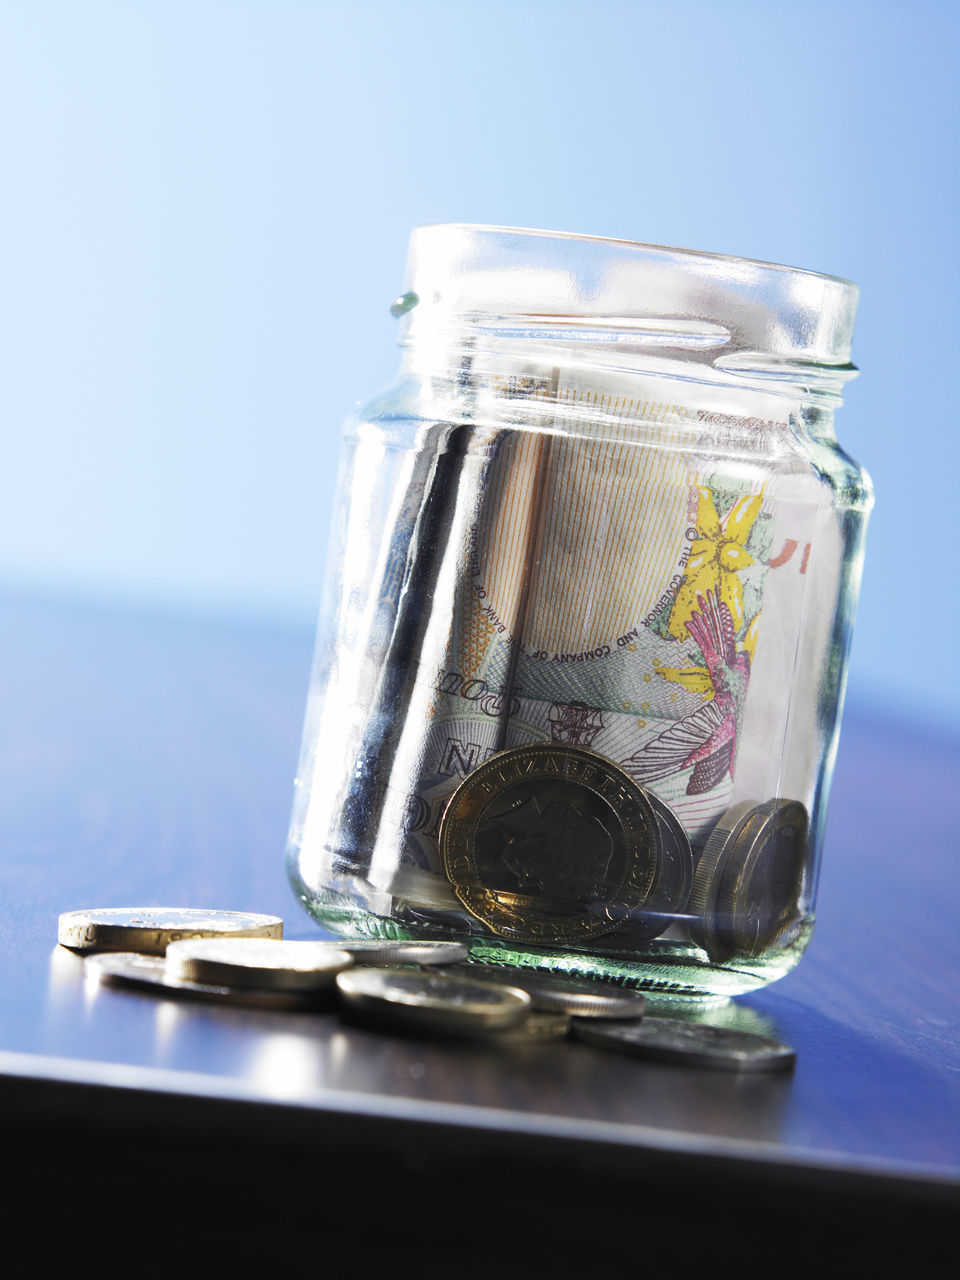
[(705, 740)]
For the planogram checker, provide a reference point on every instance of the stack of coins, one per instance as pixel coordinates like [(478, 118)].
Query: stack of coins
[(557, 845), (413, 987)]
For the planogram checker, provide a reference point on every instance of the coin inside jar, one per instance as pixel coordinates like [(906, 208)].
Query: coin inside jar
[(671, 889), (702, 904), (550, 844), (747, 887), (760, 889)]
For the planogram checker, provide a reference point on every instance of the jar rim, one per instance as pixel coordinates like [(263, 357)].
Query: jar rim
[(711, 315), (648, 246)]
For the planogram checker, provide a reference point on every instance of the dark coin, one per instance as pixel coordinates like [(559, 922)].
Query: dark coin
[(149, 973), (760, 889), (702, 904), (558, 993), (690, 1044), (668, 896), (431, 1002), (550, 844)]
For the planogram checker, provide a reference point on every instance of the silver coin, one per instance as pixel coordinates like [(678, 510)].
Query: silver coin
[(382, 952), (151, 929), (690, 1044), (433, 1002), (558, 993), (257, 963), (148, 973)]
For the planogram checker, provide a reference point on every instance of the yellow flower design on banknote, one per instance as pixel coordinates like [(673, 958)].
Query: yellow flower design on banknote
[(709, 610), (717, 555), (699, 679)]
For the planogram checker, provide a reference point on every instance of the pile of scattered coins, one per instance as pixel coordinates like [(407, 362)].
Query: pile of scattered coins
[(422, 987)]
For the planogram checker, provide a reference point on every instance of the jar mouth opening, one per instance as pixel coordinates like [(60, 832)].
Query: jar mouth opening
[(691, 255), (600, 299)]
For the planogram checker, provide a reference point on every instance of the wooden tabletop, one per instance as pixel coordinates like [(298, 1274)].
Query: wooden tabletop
[(149, 761)]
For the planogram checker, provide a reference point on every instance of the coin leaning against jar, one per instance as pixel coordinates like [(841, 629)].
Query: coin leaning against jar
[(550, 844), (747, 886)]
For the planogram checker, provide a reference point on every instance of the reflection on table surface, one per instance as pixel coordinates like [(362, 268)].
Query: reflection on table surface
[(154, 765)]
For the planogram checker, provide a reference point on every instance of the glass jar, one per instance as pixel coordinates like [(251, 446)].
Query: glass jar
[(583, 646)]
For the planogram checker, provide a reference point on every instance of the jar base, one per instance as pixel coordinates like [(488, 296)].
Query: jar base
[(672, 968)]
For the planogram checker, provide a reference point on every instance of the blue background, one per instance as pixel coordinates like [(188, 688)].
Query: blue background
[(205, 214)]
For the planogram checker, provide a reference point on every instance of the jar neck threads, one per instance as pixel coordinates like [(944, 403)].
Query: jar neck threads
[(616, 307)]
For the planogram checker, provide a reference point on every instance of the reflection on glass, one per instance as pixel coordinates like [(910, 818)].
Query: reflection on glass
[(724, 1013)]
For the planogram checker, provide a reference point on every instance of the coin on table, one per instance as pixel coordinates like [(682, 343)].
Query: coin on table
[(151, 929), (550, 844), (689, 1044), (258, 963), (149, 973), (382, 952), (432, 1002), (559, 993)]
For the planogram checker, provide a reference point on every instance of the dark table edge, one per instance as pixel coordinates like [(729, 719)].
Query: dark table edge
[(40, 1093)]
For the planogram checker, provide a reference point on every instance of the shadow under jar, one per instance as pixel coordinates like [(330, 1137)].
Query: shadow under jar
[(583, 645)]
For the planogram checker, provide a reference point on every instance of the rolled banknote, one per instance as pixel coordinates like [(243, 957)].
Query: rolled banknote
[(576, 583)]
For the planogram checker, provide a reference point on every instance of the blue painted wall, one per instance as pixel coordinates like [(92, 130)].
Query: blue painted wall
[(205, 214)]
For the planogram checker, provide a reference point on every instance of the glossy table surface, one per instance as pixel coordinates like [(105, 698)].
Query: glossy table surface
[(149, 760)]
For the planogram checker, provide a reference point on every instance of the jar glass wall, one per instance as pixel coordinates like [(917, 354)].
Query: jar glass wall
[(589, 601)]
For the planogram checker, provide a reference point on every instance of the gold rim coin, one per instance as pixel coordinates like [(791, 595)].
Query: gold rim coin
[(148, 973), (151, 929), (437, 1003), (257, 963), (550, 844)]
